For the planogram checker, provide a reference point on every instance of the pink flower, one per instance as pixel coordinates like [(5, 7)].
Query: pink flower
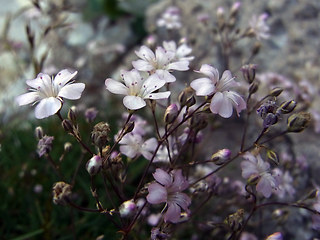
[(254, 166), (168, 189), (223, 98), (160, 62), (49, 93), (136, 89)]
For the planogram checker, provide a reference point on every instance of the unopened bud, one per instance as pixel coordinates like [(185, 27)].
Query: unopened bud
[(235, 221), (72, 116), (67, 147), (253, 179), (220, 16), (129, 127), (273, 156), (67, 125), (253, 87), (91, 114), (186, 97), (312, 194), (99, 134), (275, 92), (198, 121), (287, 107), (235, 8), (269, 120), (171, 113), (61, 193), (39, 132), (221, 157), (93, 166), (256, 48), (249, 72), (298, 122), (127, 208)]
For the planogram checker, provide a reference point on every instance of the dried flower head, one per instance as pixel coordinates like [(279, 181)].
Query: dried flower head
[(61, 193), (44, 145)]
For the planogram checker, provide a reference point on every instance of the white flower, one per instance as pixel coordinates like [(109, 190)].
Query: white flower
[(223, 98), (181, 52), (136, 88), (160, 62), (133, 145), (49, 93), (259, 26), (170, 19), (254, 166), (285, 188)]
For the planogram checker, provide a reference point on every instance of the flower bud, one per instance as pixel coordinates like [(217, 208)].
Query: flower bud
[(90, 114), (253, 179), (298, 122), (39, 132), (275, 92), (235, 8), (221, 157), (61, 193), (287, 107), (249, 72), (171, 113), (273, 156), (235, 220), (67, 147), (312, 194), (269, 120), (67, 125), (256, 48), (220, 16), (253, 87), (99, 134), (186, 97), (129, 127), (93, 166), (127, 208), (72, 116), (198, 121)]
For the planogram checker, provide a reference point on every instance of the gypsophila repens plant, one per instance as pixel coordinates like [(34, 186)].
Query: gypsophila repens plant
[(189, 180)]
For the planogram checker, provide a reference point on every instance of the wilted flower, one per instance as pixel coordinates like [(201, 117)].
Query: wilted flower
[(136, 89), (259, 27), (49, 93), (133, 145), (168, 189), (255, 167), (223, 98), (160, 62)]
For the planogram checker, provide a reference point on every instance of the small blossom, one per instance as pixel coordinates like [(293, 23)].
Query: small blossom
[(136, 89), (168, 189), (259, 27), (254, 166), (285, 188), (223, 98), (44, 145), (160, 62), (170, 19), (49, 93), (180, 53), (133, 145)]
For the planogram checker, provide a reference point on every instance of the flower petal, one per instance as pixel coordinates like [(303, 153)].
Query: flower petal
[(165, 75), (173, 213), (179, 182), (157, 193), (116, 87), (182, 199), (210, 71), (47, 107), (72, 91), (162, 177), (142, 65), (180, 65), (27, 98), (221, 105), (145, 53), (237, 101), (133, 102), (63, 77), (203, 86), (128, 150), (159, 95), (264, 187)]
